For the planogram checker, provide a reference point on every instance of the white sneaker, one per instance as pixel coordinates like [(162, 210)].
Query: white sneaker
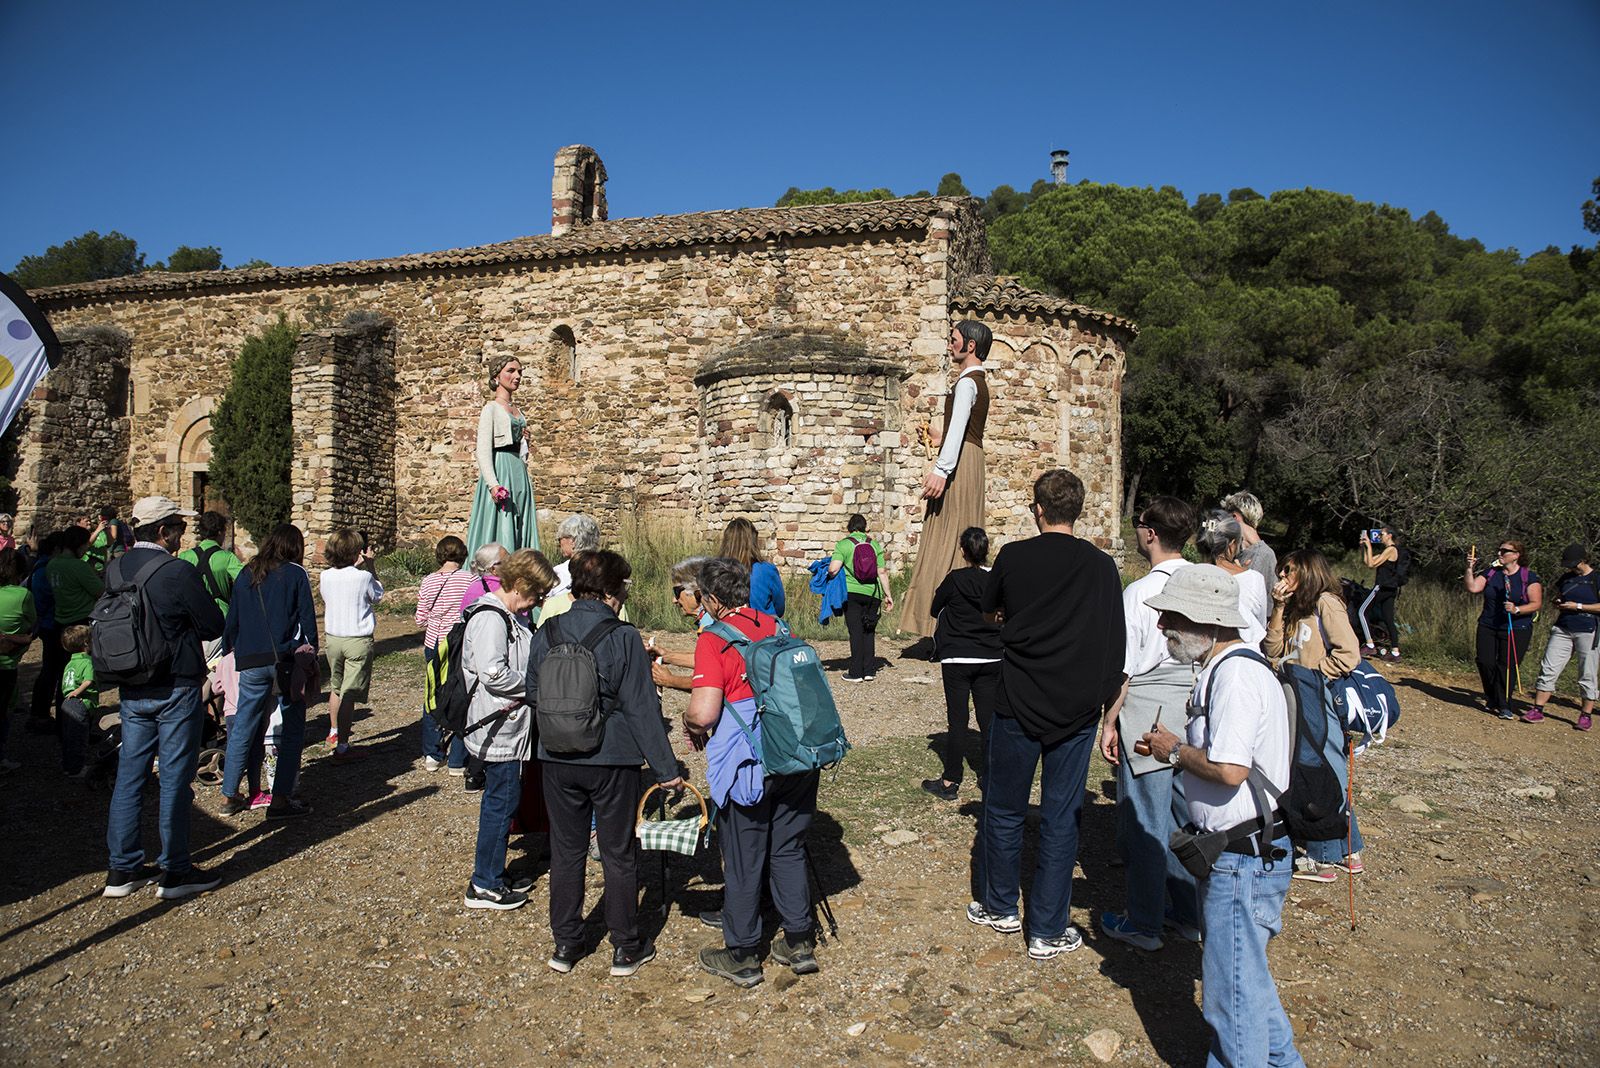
[(431, 764), (457, 772), (1045, 948), (981, 916)]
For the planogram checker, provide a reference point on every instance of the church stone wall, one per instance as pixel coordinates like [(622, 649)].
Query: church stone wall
[(82, 402)]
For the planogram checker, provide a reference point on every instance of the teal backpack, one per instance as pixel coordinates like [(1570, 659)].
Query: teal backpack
[(800, 728)]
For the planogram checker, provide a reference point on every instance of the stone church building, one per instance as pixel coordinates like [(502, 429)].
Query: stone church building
[(768, 362)]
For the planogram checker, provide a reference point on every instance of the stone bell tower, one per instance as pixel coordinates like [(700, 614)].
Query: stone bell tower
[(578, 191)]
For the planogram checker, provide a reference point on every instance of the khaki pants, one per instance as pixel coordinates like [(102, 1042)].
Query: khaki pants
[(349, 666)]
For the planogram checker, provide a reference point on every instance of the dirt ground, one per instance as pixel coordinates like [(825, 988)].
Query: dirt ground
[(342, 938)]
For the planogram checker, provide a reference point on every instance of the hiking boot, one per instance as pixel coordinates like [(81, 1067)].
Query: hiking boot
[(741, 969), (186, 883), (712, 919), (1045, 948), (981, 916), (1308, 870), (625, 963), (500, 898), (1533, 715), (1115, 925), (939, 788), (796, 954), (233, 806), (565, 958), (123, 883), (287, 810), (1584, 721)]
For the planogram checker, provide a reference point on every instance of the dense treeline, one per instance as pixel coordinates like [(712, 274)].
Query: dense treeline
[(91, 256), (1349, 363)]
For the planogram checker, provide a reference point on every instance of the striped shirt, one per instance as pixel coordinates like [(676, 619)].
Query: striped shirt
[(439, 603)]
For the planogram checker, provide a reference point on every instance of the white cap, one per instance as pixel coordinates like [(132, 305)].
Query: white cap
[(1202, 593), (154, 509)]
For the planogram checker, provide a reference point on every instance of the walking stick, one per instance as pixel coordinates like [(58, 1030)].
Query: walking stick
[(1350, 824), (666, 902), (822, 896), (1510, 646)]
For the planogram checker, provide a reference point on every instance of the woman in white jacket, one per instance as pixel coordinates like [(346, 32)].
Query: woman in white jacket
[(494, 665), (502, 506)]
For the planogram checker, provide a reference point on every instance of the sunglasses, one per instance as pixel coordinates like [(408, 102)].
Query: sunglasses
[(1505, 549)]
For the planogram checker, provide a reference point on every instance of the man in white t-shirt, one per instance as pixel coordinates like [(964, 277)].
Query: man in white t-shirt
[(1240, 722), (1150, 802)]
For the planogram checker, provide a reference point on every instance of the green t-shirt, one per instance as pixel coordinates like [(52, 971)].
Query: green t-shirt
[(845, 553), (79, 670), (17, 616), (75, 586), (225, 568)]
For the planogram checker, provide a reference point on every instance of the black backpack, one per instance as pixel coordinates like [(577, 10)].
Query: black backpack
[(129, 648), (447, 696), (1402, 567), (202, 563), (569, 704), (1313, 807)]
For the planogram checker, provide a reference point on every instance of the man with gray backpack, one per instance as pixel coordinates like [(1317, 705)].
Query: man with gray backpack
[(148, 626), (762, 710)]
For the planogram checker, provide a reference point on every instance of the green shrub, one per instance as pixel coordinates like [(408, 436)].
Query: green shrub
[(252, 431), (405, 566)]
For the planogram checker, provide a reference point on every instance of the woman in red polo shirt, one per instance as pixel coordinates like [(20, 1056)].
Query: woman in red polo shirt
[(764, 818)]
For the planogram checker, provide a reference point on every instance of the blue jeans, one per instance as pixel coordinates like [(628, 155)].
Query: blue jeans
[(163, 721), (432, 736), (502, 790), (1149, 808), (1333, 750), (1242, 900), (246, 738), (1010, 765)]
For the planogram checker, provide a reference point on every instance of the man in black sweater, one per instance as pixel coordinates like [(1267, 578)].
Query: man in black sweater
[(163, 717), (1059, 603)]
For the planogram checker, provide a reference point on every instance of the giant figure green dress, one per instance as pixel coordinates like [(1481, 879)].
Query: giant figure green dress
[(515, 524)]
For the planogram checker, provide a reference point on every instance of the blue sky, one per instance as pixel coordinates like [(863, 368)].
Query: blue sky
[(313, 132)]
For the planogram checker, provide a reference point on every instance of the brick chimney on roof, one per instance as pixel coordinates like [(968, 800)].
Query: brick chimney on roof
[(578, 191)]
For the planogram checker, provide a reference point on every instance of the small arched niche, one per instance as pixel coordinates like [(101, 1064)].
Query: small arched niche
[(563, 354), (777, 423)]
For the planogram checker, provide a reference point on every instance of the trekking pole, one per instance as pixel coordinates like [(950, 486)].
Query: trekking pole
[(1510, 647), (1350, 824), (822, 896), (666, 902)]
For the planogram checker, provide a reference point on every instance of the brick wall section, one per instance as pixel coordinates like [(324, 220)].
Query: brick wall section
[(342, 472), (72, 455), (625, 436)]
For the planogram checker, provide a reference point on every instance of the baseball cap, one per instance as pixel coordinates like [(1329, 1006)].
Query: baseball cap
[(154, 509), (1573, 555), (1202, 593)]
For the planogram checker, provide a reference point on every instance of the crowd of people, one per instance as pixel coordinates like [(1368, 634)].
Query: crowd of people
[(1173, 679)]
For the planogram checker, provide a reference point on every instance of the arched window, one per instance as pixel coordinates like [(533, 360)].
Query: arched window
[(779, 419), (564, 352)]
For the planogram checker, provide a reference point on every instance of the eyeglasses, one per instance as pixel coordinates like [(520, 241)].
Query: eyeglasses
[(677, 591), (1142, 525), (1505, 549)]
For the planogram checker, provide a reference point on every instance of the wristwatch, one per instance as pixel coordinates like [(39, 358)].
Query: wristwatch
[(1172, 757)]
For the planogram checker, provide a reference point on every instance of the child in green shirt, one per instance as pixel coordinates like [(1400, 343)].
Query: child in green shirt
[(79, 697)]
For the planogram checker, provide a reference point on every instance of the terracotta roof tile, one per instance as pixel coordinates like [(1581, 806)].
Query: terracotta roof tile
[(1002, 293), (617, 235)]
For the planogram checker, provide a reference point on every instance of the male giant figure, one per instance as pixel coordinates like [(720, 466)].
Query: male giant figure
[(953, 487)]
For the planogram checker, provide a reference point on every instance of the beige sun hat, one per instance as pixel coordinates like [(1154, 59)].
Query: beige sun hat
[(1202, 593), (154, 509)]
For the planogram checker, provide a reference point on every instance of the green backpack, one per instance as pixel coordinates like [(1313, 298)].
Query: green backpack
[(800, 728)]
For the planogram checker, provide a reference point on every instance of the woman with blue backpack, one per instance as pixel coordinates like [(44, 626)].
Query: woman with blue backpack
[(861, 559), (1512, 597)]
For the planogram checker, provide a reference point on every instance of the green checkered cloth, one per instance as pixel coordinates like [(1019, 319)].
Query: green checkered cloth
[(677, 836)]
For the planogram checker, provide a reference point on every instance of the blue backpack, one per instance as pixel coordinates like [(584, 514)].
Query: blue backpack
[(800, 728), (1369, 704)]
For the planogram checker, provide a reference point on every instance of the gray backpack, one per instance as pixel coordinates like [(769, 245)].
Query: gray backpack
[(569, 706)]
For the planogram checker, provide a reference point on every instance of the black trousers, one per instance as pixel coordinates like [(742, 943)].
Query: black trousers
[(1378, 609), (1493, 654), (572, 793), (861, 620), (980, 682), (47, 687), (770, 835)]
